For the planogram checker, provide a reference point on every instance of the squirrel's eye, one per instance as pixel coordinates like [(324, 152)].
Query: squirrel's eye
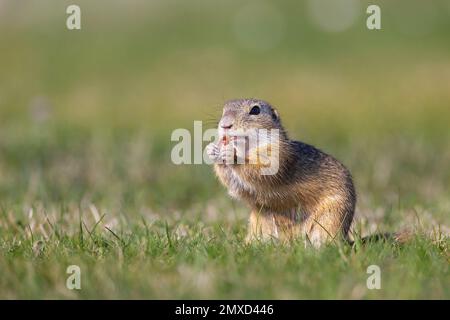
[(255, 110)]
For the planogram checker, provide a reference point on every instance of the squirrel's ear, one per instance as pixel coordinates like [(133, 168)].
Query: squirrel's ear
[(275, 114)]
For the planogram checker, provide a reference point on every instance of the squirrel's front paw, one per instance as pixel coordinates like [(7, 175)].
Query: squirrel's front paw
[(227, 154), (213, 152)]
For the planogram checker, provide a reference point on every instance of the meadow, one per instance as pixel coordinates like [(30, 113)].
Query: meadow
[(85, 122)]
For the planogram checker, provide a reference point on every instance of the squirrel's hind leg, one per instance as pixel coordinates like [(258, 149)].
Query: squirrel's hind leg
[(265, 226)]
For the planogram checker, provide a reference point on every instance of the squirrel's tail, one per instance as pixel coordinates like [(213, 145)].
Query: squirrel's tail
[(390, 237)]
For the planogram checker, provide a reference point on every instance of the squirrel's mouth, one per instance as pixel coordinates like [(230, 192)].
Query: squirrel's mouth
[(226, 138), (225, 134)]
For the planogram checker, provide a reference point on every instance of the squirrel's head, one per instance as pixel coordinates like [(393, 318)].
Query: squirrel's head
[(245, 114)]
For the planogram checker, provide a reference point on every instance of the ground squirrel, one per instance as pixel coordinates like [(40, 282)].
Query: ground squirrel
[(311, 195)]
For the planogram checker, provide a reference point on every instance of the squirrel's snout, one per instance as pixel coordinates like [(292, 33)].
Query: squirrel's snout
[(226, 123)]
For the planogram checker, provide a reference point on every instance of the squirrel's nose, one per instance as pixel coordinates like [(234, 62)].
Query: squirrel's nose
[(226, 122)]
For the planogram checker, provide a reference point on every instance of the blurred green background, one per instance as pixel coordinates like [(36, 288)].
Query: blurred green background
[(86, 115), (78, 107)]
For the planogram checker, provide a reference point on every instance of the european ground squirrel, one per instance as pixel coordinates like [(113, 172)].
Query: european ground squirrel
[(311, 195)]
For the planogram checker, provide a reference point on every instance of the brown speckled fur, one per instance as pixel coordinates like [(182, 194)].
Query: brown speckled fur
[(311, 196)]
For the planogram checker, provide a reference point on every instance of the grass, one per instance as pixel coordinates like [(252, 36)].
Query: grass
[(85, 171), (163, 261), (147, 234)]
